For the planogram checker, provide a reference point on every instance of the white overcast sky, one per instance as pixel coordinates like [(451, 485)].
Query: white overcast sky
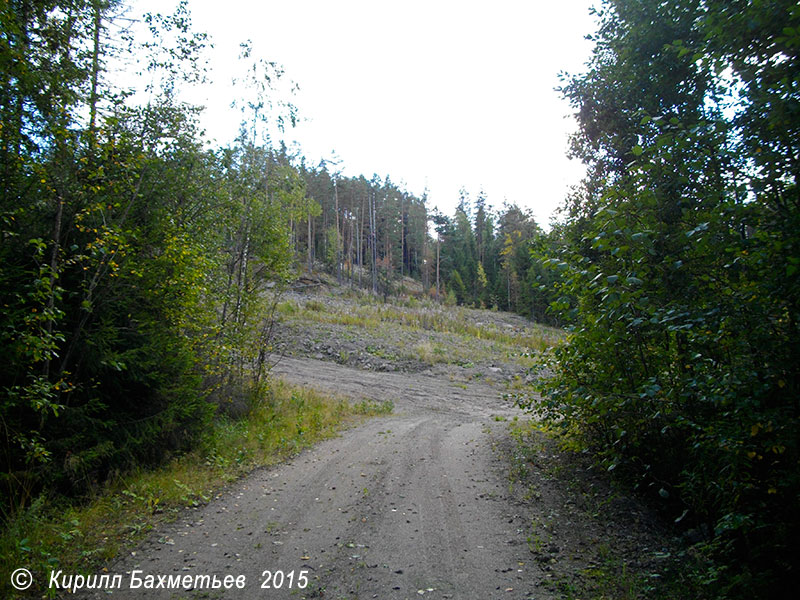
[(434, 93)]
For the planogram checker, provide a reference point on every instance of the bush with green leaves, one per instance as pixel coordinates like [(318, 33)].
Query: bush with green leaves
[(680, 260), (133, 261)]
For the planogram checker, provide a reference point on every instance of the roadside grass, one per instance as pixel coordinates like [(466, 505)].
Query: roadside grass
[(373, 408), (55, 534)]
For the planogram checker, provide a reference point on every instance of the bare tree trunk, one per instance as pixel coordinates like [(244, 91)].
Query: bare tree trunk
[(437, 267), (402, 240), (347, 232), (95, 77), (361, 243), (355, 253), (425, 275), (310, 258), (338, 243), (373, 244), (352, 250)]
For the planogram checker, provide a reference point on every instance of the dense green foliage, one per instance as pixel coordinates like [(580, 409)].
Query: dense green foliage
[(485, 260), (132, 258), (679, 263)]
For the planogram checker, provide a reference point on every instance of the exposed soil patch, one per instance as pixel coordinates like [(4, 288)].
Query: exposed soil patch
[(429, 339)]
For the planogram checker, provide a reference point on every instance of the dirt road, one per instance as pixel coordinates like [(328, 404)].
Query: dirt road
[(436, 500), (406, 506)]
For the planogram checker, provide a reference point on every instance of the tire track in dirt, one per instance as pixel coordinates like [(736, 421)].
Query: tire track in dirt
[(410, 505)]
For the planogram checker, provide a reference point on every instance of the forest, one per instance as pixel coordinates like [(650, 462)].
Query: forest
[(135, 260)]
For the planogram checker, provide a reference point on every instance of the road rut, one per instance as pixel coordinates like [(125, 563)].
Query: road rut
[(410, 505)]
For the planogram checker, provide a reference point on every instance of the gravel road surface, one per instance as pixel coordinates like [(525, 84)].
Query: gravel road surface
[(411, 505)]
